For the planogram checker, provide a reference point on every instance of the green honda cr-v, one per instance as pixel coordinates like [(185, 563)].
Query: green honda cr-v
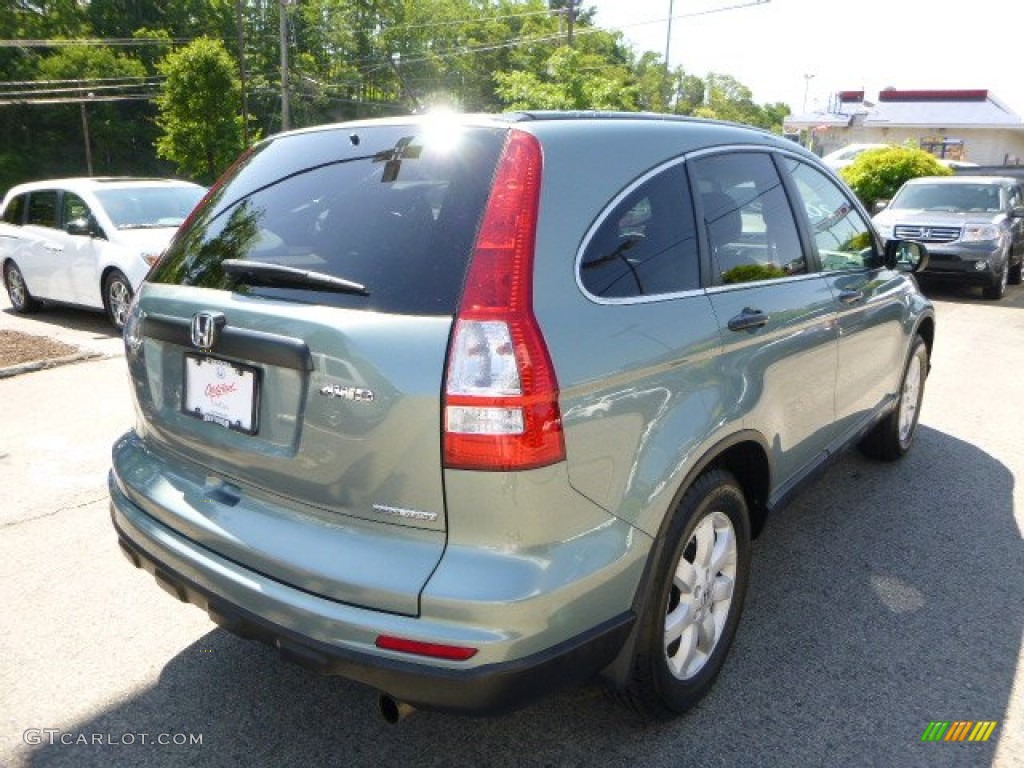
[(469, 407)]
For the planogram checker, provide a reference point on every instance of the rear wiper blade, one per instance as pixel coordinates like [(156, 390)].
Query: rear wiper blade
[(278, 275)]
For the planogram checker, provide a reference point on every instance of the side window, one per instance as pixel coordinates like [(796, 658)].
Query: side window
[(747, 218), (42, 208), (647, 244), (13, 214), (1013, 192), (842, 236), (73, 208)]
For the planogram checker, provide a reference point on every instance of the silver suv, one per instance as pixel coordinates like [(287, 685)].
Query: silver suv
[(973, 227), (469, 408)]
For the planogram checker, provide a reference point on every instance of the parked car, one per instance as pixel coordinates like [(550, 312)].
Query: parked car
[(87, 241), (957, 164), (973, 227), (468, 408), (843, 157)]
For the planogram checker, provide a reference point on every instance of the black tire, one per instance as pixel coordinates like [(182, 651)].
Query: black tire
[(997, 287), (1015, 276), (21, 300), (716, 500), (117, 296), (891, 438)]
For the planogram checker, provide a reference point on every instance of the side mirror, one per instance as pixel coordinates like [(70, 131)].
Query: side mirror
[(81, 227), (879, 206), (906, 255)]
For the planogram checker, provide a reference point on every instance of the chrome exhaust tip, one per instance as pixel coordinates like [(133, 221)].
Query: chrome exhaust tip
[(392, 710)]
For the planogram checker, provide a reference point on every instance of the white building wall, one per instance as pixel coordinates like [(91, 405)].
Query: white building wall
[(985, 146)]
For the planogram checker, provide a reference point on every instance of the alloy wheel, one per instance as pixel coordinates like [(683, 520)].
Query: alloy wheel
[(119, 298), (702, 591), (909, 399), (16, 289)]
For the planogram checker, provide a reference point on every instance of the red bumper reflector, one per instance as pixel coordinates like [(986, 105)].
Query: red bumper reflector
[(434, 650)]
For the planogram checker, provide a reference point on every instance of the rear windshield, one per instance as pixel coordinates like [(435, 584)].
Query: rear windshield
[(392, 208)]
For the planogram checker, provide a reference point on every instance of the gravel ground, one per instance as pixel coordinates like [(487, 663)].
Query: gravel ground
[(17, 347)]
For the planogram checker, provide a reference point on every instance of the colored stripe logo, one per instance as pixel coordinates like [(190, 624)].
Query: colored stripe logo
[(959, 730)]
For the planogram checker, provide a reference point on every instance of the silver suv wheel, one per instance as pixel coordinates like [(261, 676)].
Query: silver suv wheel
[(701, 595), (910, 399), (695, 598)]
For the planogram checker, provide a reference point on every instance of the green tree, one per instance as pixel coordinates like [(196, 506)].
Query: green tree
[(181, 18), (100, 73), (202, 129), (729, 99), (574, 80), (878, 173)]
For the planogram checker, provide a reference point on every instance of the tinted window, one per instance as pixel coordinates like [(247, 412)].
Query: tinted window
[(14, 210), (74, 208), (393, 208), (746, 218), (42, 208), (647, 243), (1015, 196), (842, 236)]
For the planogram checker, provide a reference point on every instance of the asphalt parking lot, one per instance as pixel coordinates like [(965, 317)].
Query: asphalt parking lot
[(884, 598)]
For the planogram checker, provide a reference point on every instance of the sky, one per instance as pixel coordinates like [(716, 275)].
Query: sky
[(772, 46)]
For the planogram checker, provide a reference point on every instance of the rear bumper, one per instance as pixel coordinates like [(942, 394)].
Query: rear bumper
[(338, 639)]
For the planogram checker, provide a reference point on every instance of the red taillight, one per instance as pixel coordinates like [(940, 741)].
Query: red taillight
[(434, 650), (501, 396)]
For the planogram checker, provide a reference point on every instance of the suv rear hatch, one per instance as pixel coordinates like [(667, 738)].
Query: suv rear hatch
[(290, 346)]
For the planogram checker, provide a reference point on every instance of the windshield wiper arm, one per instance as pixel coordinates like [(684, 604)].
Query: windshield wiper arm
[(278, 275)]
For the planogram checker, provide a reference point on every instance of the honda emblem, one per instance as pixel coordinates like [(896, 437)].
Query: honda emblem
[(204, 328)]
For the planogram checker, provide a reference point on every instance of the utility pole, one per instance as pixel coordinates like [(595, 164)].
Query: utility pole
[(807, 85), (241, 71), (668, 35), (570, 15), (286, 119), (85, 134)]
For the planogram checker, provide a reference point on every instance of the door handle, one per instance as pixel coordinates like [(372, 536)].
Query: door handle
[(748, 319), (53, 247), (851, 297)]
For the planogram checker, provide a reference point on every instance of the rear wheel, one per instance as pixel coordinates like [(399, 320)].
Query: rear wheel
[(117, 297), (21, 300), (892, 437), (700, 582)]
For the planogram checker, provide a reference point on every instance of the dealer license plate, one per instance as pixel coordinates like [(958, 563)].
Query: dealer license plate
[(222, 393)]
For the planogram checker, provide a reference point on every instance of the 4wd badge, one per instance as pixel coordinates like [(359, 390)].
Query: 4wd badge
[(355, 394)]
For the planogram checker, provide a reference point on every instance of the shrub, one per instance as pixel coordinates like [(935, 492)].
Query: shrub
[(878, 173)]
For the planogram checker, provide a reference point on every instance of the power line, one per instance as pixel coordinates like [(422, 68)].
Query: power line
[(85, 87), (94, 42), (79, 100), (76, 80)]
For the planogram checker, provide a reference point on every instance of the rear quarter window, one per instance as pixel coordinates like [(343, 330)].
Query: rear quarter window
[(14, 212), (646, 244), (391, 208)]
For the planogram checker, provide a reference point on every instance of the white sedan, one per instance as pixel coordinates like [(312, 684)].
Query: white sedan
[(88, 241)]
